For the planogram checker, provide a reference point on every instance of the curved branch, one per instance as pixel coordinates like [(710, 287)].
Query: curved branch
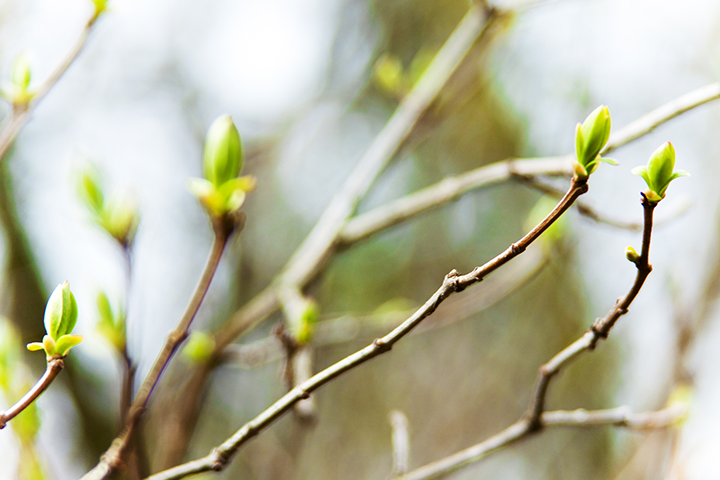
[(112, 459), (535, 417), (54, 366), (20, 117), (320, 243), (453, 282), (618, 417)]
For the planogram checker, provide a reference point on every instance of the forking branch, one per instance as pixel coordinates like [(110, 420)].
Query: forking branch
[(453, 282)]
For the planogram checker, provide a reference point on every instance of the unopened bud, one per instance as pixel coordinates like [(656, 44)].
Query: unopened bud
[(223, 154)]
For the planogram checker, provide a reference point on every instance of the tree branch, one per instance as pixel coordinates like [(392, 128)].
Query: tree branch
[(619, 417), (19, 117), (112, 459), (320, 243), (54, 366), (535, 418), (453, 282), (452, 188)]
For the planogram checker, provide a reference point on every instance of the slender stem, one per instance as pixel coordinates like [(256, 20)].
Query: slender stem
[(400, 442), (453, 282), (649, 122), (112, 459), (447, 190), (54, 366), (20, 116), (312, 254), (619, 417), (535, 417), (267, 302)]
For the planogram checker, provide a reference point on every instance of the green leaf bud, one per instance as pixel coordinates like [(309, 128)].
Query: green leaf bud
[(90, 190), (20, 72), (389, 75), (60, 312), (199, 347), (632, 255), (19, 93), (659, 172), (100, 7), (120, 218), (303, 316), (223, 154), (590, 138), (111, 325)]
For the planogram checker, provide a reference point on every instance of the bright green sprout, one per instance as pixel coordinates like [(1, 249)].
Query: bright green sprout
[(199, 347), (590, 138), (18, 92), (660, 171), (111, 324), (222, 191), (60, 318), (632, 255), (117, 215)]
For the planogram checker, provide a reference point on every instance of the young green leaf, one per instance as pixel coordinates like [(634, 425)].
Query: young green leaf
[(659, 172)]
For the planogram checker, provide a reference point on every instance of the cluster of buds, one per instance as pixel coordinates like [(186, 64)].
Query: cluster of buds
[(222, 192), (60, 318)]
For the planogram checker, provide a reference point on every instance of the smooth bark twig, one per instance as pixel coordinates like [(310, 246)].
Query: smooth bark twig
[(19, 117), (535, 418), (320, 243), (453, 282), (54, 366), (113, 458), (618, 417)]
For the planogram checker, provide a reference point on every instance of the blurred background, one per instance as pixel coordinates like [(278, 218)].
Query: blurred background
[(309, 85)]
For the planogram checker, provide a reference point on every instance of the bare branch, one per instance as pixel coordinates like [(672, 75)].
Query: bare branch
[(348, 327), (535, 418), (649, 122), (20, 117), (318, 246), (447, 190), (453, 282), (113, 457), (452, 188), (54, 366), (619, 417)]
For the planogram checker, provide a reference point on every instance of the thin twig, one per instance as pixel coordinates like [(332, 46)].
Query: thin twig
[(649, 122), (600, 327), (400, 442), (54, 366), (453, 282), (20, 117), (447, 190), (351, 327), (318, 246), (681, 207), (535, 418), (619, 417), (452, 188), (112, 459)]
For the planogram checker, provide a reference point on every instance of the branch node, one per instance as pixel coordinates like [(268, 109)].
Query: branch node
[(381, 345), (304, 395), (517, 249)]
